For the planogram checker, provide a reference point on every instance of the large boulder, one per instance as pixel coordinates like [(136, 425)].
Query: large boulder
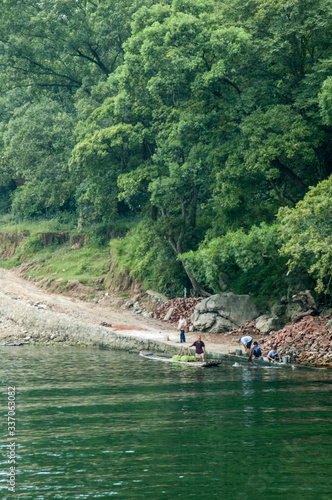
[(279, 309), (169, 314), (307, 306), (203, 321), (266, 324), (220, 313), (157, 297), (221, 325)]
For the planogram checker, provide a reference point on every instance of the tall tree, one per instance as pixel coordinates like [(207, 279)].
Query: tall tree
[(37, 145), (306, 233), (62, 44)]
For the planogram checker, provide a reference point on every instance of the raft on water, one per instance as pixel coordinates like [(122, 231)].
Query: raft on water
[(14, 344), (188, 362)]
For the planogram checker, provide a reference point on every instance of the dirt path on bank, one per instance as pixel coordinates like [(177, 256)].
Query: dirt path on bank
[(116, 317)]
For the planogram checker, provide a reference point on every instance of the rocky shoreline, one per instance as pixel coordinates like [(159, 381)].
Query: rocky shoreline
[(33, 324), (13, 333), (308, 339), (40, 318)]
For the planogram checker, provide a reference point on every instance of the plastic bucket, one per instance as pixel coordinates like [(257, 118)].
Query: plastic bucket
[(238, 352), (285, 359)]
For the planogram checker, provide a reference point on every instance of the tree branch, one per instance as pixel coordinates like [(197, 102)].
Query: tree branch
[(287, 171)]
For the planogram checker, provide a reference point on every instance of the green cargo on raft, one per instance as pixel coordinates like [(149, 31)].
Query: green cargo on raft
[(176, 357)]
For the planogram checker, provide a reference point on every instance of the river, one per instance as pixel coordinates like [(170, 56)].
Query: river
[(97, 424)]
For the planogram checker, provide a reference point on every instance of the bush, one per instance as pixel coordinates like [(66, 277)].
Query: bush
[(306, 235), (150, 259), (244, 262), (32, 244)]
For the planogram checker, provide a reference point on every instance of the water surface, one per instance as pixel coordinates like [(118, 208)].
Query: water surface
[(94, 424)]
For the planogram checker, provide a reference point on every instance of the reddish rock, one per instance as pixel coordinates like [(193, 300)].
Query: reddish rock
[(309, 339), (181, 306)]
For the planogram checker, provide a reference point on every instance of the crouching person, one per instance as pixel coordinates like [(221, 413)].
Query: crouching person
[(255, 352), (273, 355)]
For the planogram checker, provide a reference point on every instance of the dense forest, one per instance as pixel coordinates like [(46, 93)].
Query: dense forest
[(201, 127)]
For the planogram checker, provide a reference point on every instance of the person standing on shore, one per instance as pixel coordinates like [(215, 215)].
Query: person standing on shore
[(200, 348), (181, 326)]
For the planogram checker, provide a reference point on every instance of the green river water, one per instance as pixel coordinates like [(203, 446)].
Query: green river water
[(93, 424)]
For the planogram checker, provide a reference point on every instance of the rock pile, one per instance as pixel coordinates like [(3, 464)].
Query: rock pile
[(215, 314), (248, 328), (171, 310), (310, 339)]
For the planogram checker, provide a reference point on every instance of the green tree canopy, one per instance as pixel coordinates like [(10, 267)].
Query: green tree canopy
[(37, 146), (199, 118), (306, 232)]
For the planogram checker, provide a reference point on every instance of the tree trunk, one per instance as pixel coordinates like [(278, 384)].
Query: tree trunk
[(176, 245), (154, 212), (198, 290), (193, 210), (292, 175), (324, 159)]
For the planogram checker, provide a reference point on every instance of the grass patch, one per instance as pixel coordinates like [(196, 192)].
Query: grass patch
[(11, 262), (86, 264), (9, 225), (59, 261)]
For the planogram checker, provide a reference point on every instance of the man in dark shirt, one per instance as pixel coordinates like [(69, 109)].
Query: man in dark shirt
[(200, 348)]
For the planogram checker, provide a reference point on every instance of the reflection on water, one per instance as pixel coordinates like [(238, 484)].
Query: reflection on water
[(97, 424)]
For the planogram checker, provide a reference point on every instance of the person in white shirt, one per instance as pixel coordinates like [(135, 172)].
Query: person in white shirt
[(181, 325), (246, 341)]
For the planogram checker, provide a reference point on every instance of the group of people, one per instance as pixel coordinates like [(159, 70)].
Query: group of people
[(198, 344), (255, 350)]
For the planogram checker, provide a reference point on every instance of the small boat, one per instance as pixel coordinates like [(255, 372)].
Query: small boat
[(13, 344), (165, 359)]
